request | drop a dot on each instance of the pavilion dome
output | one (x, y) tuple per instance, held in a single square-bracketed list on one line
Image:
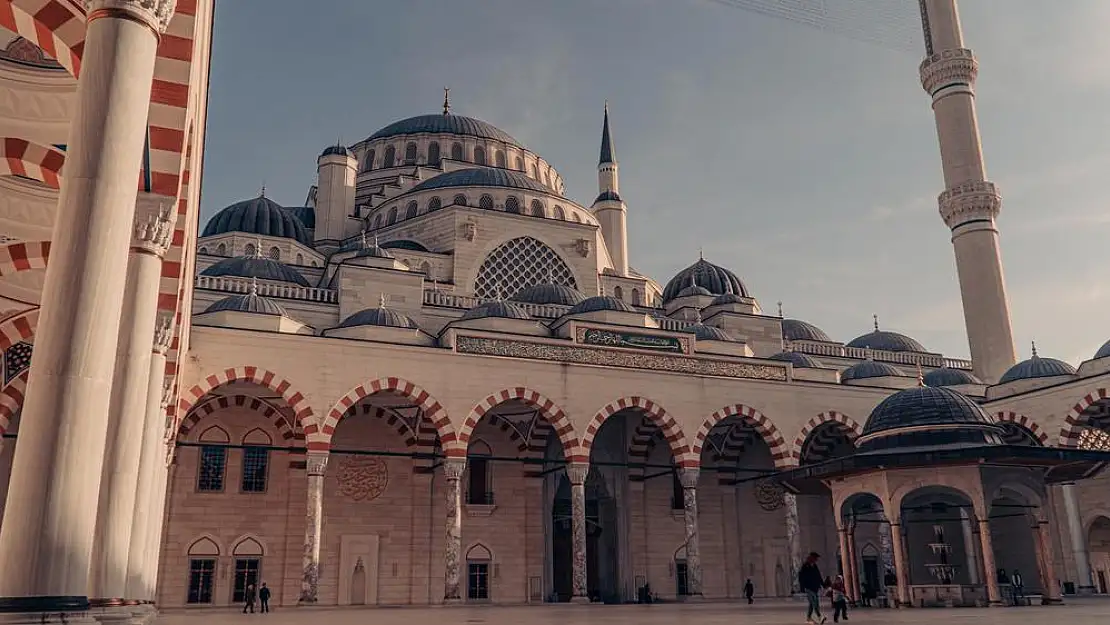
[(1036, 367), (261, 216), (947, 376), (497, 309), (249, 303), (925, 416), (798, 359), (381, 317), (797, 330), (254, 267), (713, 278), (559, 294), (886, 341), (599, 303), (870, 369), (703, 332), (337, 150)]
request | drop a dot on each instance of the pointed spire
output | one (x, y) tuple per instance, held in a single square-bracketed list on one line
[(262, 193), (364, 245), (701, 253), (608, 155), (876, 318), (254, 286), (381, 301), (920, 376), (446, 101), (1035, 349), (780, 309), (258, 248)]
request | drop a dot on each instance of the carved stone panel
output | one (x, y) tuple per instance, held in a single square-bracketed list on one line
[(363, 478)]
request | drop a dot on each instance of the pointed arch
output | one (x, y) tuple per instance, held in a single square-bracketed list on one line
[(11, 400), (1030, 427), (780, 454), (19, 327), (854, 430), (204, 545), (555, 415), (23, 256), (269, 412), (248, 545), (301, 410), (479, 552), (1075, 421), (55, 26), (20, 157), (672, 432), (433, 411)]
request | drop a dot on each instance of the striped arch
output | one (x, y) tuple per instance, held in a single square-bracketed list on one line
[(56, 26), (19, 157), (672, 432), (18, 327), (433, 411), (766, 429), (852, 429), (24, 256), (11, 400), (1030, 426), (302, 411), (644, 437), (215, 404), (1075, 420), (558, 419)]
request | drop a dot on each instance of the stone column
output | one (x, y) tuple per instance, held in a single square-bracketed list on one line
[(126, 415), (994, 595), (886, 552), (46, 550), (793, 538), (577, 472), (845, 557), (1042, 536), (689, 479), (1078, 537), (852, 575), (969, 547), (161, 504), (316, 464), (452, 573), (901, 564)]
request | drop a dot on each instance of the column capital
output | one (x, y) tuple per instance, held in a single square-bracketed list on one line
[(953, 68), (316, 462), (154, 221), (577, 472), (453, 468), (970, 201), (155, 14), (163, 333), (688, 477)]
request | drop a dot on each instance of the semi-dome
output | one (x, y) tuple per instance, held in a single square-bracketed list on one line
[(870, 369), (445, 124), (249, 303), (947, 376), (1036, 367), (717, 280), (797, 330), (337, 150), (261, 216), (703, 332), (886, 341), (253, 267), (798, 359), (497, 308), (380, 317), (598, 303), (948, 418), (481, 177), (559, 294)]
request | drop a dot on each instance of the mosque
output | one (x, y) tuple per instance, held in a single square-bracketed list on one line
[(441, 380)]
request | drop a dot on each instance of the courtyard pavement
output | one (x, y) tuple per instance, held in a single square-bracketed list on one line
[(1076, 612)]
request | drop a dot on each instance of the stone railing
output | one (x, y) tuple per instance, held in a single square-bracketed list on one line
[(232, 284), (671, 325), (818, 348), (466, 302)]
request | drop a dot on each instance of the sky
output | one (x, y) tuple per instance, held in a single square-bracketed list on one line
[(803, 160)]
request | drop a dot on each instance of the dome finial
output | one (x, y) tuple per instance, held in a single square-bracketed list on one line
[(876, 318), (364, 244), (262, 193), (920, 375), (701, 253), (697, 316), (258, 248), (254, 286), (446, 101), (780, 309), (1034, 349), (381, 300)]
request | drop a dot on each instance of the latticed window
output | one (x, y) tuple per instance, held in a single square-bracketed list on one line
[(274, 253), (212, 461), (255, 461), (433, 204), (499, 158), (368, 164), (512, 205), (390, 156), (485, 202), (479, 156), (1094, 439), (391, 218), (433, 153), (410, 212), (518, 264), (457, 151), (537, 209), (410, 154), (459, 200), (201, 573)]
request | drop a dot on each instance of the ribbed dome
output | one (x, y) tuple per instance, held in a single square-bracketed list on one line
[(250, 303), (717, 280), (796, 330), (798, 359), (550, 294), (1103, 351), (445, 124), (870, 369), (946, 376), (306, 215), (481, 177), (497, 308), (886, 341), (259, 215), (707, 333), (1036, 367), (380, 316), (251, 267), (600, 302), (337, 150), (953, 418)]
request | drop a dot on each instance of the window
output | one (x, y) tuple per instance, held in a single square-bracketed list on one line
[(479, 155), (518, 264), (545, 177), (537, 209), (478, 560), (459, 200), (300, 259), (618, 292), (249, 250), (456, 151), (575, 218), (221, 250), (512, 205), (433, 154), (274, 253), (499, 159), (426, 269), (532, 170), (410, 154), (678, 497), (368, 164), (390, 156), (637, 299), (519, 164), (485, 202), (203, 250), (433, 204), (392, 217), (246, 574), (478, 487), (682, 578), (201, 573), (559, 214), (212, 462), (410, 212), (377, 221), (255, 462)]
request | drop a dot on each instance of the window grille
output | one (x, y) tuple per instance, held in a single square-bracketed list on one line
[(212, 461), (201, 573), (518, 264), (255, 462), (246, 574), (433, 154), (477, 574)]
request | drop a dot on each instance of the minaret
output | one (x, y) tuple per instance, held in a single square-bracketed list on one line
[(609, 209), (335, 196), (970, 203)]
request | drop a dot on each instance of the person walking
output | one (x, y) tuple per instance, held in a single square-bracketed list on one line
[(248, 598), (839, 599), (264, 598), (749, 591), (811, 582)]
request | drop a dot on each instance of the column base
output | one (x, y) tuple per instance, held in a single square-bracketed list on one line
[(580, 600), (1085, 590), (45, 609), (452, 600)]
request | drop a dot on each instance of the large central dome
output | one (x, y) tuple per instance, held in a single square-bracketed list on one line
[(445, 124)]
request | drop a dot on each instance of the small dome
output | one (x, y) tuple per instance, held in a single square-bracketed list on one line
[(337, 150), (372, 250), (482, 177), (796, 330), (550, 294), (886, 341), (306, 215), (870, 369), (798, 359), (1036, 367), (497, 308), (727, 298), (946, 376), (380, 316), (250, 303), (953, 418), (1103, 351), (716, 280), (261, 216), (600, 302), (445, 124), (251, 267), (707, 333), (608, 196)]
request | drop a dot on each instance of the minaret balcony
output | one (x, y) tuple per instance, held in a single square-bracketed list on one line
[(970, 201), (956, 66)]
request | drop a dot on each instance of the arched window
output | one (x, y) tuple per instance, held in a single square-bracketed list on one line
[(249, 250), (221, 249), (377, 223), (390, 156), (410, 154), (391, 218), (248, 563), (532, 170), (637, 299), (213, 460), (559, 213), (434, 204), (485, 202), (203, 250), (618, 292), (315, 264), (368, 164), (575, 217), (478, 561), (202, 570), (499, 159), (479, 155), (300, 259), (426, 269), (479, 485), (520, 263), (519, 164), (410, 211), (537, 209), (459, 200), (274, 253), (456, 151), (256, 461), (512, 205), (433, 154), (544, 173)]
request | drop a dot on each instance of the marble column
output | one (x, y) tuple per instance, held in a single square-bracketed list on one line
[(1084, 582), (901, 564), (994, 595), (452, 573), (852, 575), (886, 552), (793, 538), (46, 550), (969, 547), (1042, 536), (161, 505), (316, 464), (689, 479), (577, 472), (845, 557), (126, 414)]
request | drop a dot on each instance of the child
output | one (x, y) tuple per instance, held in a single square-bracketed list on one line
[(839, 599)]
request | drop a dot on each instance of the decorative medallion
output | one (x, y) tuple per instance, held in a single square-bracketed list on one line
[(770, 495), (363, 477), (16, 360)]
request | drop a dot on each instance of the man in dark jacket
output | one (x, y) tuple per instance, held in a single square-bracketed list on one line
[(811, 582), (264, 598), (248, 598)]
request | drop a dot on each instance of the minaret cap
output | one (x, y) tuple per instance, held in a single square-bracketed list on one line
[(608, 154)]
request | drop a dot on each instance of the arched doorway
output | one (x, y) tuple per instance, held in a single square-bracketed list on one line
[(940, 538), (871, 544), (816, 524), (1098, 543)]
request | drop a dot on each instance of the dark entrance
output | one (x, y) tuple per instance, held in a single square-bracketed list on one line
[(871, 573)]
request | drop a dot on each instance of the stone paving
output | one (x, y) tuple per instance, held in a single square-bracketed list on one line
[(1076, 612)]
